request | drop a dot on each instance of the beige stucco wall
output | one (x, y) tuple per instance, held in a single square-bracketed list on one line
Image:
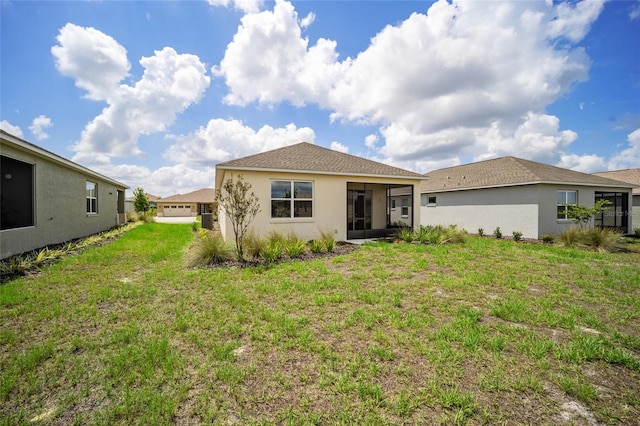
[(329, 203), (530, 209), (60, 206)]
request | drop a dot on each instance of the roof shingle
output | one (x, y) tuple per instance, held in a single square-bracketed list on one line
[(631, 176), (507, 171), (312, 158), (205, 195)]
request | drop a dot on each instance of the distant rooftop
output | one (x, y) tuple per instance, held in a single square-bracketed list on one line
[(205, 195), (508, 171), (627, 175)]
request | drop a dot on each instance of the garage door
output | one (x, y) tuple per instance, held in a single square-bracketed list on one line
[(177, 210)]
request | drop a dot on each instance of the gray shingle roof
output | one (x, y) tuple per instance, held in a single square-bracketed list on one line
[(310, 158), (508, 171), (205, 195), (631, 176)]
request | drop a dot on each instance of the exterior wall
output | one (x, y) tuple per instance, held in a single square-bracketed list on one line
[(530, 209), (510, 208), (329, 203), (635, 213), (395, 214), (188, 209), (60, 206)]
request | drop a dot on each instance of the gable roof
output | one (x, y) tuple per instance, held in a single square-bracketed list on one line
[(509, 171), (310, 158), (204, 195), (150, 197), (631, 176), (23, 145)]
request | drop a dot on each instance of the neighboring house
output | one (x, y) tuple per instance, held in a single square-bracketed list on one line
[(631, 176), (129, 202), (307, 189), (191, 204), (46, 199), (400, 206), (516, 195)]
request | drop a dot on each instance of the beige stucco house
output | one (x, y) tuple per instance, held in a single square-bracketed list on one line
[(190, 204), (129, 203), (631, 176), (307, 189), (46, 199), (518, 195)]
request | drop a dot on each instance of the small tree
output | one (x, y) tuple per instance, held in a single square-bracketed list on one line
[(582, 215), (240, 206), (140, 200)]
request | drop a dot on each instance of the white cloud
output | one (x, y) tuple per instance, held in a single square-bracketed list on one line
[(171, 82), (222, 140), (247, 6), (337, 146), (629, 157), (370, 141), (38, 125), (10, 128), (583, 163), (634, 12), (440, 83)]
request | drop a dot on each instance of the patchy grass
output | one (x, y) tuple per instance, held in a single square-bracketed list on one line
[(390, 333)]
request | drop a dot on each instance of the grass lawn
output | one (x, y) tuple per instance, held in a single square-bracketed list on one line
[(485, 332)]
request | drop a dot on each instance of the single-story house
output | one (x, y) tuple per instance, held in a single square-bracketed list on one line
[(307, 189), (517, 195), (130, 202), (190, 204), (631, 176), (46, 199)]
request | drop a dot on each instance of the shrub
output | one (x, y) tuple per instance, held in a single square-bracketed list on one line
[(636, 232), (547, 238), (316, 246), (294, 246), (272, 251), (194, 226), (481, 232), (405, 234), (569, 237), (517, 235), (441, 234), (329, 241), (253, 244), (601, 239), (497, 233), (209, 248)]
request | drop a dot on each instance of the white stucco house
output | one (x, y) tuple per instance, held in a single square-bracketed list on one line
[(519, 195), (190, 204), (307, 189), (46, 199)]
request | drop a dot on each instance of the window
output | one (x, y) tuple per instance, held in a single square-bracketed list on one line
[(431, 201), (565, 199), (92, 198), (16, 194), (393, 204), (405, 207), (291, 199)]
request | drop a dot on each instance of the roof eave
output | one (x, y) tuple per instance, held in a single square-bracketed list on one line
[(470, 188), (316, 172)]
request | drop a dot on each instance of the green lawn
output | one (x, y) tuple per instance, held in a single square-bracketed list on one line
[(485, 332)]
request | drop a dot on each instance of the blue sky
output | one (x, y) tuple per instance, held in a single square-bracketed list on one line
[(155, 93)]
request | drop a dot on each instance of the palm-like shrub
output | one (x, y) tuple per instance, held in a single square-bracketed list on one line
[(272, 251), (209, 248), (295, 247), (601, 239)]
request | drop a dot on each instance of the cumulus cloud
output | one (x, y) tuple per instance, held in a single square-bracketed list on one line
[(171, 82), (337, 146), (371, 140), (38, 125), (247, 6), (629, 157), (10, 128), (438, 83), (223, 140)]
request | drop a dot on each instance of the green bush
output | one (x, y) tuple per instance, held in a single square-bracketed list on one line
[(636, 232), (329, 241), (497, 233), (294, 247), (209, 248), (481, 232), (405, 234), (253, 244), (272, 251), (600, 239), (316, 246), (517, 235), (547, 238)]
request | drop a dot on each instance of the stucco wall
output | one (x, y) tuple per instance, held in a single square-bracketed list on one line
[(60, 206), (329, 203), (530, 209), (510, 208)]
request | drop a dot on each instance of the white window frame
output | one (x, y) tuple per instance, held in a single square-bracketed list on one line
[(565, 203), (292, 200), (404, 207), (91, 197)]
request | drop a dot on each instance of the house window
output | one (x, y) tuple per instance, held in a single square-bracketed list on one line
[(565, 199), (291, 199), (405, 207), (92, 197), (393, 204), (431, 201), (17, 192)]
